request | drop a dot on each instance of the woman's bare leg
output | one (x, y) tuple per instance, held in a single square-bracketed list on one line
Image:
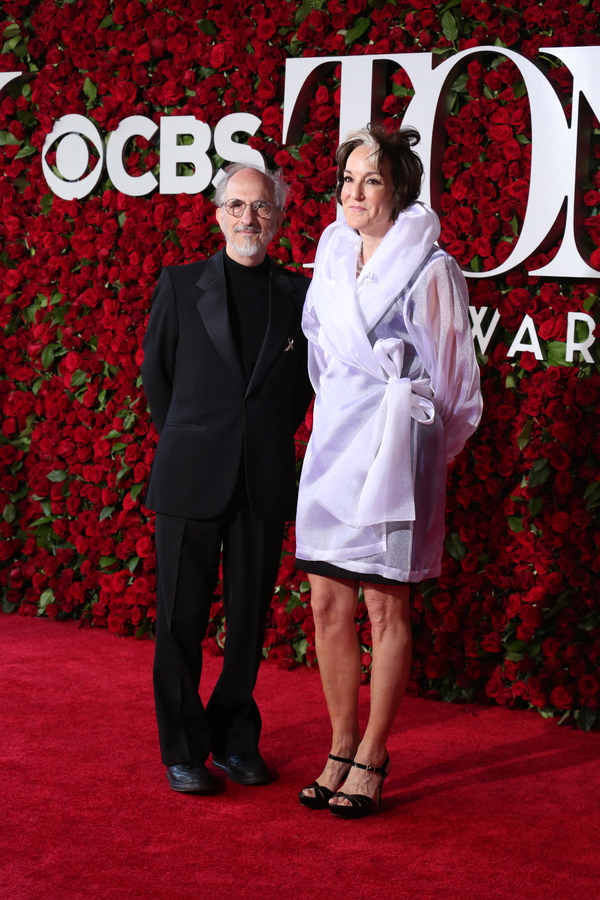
[(389, 611), (334, 603)]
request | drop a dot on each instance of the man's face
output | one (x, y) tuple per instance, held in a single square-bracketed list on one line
[(249, 236)]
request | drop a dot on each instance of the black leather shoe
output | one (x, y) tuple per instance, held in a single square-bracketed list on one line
[(244, 769), (190, 778)]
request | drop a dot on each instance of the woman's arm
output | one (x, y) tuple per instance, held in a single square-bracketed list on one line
[(438, 321)]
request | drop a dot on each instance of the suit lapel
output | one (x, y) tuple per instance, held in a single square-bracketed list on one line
[(281, 313), (212, 306)]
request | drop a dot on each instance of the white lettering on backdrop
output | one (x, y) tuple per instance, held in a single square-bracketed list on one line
[(558, 148), (72, 154), (555, 150)]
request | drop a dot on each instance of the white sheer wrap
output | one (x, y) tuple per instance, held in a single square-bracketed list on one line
[(359, 467)]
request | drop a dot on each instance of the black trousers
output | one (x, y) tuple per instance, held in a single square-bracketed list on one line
[(188, 552)]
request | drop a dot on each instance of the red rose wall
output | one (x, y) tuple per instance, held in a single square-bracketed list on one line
[(515, 617)]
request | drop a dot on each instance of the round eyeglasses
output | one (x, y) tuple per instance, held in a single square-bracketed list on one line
[(262, 208)]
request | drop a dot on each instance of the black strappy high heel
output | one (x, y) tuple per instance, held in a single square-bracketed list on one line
[(322, 794), (360, 804)]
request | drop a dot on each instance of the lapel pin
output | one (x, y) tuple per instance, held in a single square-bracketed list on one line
[(290, 345)]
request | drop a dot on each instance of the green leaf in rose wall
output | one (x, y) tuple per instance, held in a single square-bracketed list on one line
[(48, 355), (582, 331), (306, 8), (89, 89), (586, 718), (46, 598), (557, 353), (145, 629), (78, 378), (455, 547), (525, 435), (459, 85), (207, 26), (10, 513), (562, 602), (44, 520), (301, 647), (592, 495), (27, 150), (449, 26), (57, 475), (6, 138), (294, 601), (361, 25), (539, 472), (452, 4), (535, 505), (46, 203)]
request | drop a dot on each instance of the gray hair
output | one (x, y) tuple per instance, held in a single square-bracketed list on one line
[(280, 187), (362, 136)]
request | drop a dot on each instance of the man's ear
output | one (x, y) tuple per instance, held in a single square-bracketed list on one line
[(219, 217)]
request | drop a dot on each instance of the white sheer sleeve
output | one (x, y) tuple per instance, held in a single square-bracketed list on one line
[(437, 319)]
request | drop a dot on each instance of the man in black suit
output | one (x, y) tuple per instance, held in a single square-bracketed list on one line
[(225, 375)]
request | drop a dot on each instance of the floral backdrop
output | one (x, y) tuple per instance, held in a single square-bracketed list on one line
[(515, 617)]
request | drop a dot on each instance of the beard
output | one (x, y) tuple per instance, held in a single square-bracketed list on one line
[(249, 244)]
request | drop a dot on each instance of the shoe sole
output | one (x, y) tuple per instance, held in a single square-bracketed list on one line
[(317, 804), (184, 789)]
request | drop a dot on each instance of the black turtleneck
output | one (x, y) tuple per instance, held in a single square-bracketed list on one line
[(248, 308)]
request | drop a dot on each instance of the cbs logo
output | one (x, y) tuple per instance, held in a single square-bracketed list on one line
[(185, 165)]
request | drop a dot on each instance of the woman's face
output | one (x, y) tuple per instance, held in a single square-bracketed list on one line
[(368, 193)]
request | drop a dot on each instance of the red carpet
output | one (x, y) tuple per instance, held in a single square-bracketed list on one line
[(481, 804)]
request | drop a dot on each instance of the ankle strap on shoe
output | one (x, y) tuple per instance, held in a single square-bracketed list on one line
[(341, 759), (378, 770)]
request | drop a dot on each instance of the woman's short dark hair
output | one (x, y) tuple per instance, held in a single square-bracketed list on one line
[(396, 147)]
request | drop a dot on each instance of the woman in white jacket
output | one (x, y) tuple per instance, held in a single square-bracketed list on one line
[(392, 362)]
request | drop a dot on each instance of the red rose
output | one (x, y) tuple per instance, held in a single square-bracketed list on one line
[(265, 30), (512, 149), (435, 667), (494, 686), (561, 698), (491, 642), (144, 547), (441, 601), (218, 54), (561, 522), (588, 686)]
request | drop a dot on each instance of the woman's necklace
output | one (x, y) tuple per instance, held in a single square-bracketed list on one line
[(359, 261)]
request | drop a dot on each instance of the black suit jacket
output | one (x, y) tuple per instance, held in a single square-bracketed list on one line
[(208, 416)]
